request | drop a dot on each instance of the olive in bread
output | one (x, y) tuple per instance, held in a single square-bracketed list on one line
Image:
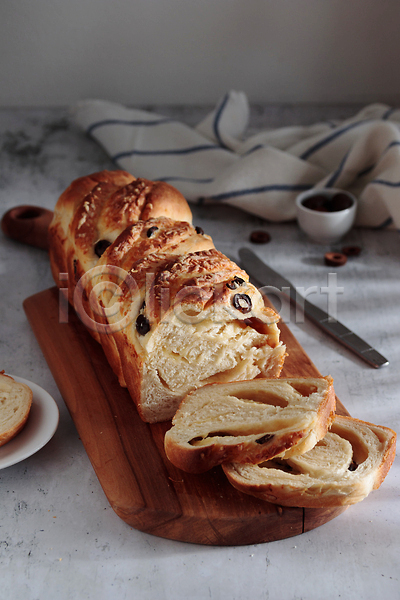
[(352, 460), (249, 421), (15, 406)]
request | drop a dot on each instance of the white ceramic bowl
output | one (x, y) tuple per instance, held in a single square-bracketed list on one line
[(325, 227)]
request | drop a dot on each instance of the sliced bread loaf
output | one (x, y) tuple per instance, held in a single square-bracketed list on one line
[(172, 312)]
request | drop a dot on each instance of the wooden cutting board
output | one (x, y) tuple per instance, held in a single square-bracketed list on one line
[(141, 485)]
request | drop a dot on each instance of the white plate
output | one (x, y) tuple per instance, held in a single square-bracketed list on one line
[(39, 429)]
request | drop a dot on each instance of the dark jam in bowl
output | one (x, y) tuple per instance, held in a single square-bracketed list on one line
[(322, 203)]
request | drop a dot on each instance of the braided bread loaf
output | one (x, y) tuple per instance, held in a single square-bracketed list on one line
[(352, 460), (171, 312)]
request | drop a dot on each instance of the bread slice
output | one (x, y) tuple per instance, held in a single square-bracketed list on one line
[(352, 460), (15, 405), (249, 421)]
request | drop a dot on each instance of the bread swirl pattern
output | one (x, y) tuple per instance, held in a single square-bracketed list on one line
[(171, 312), (352, 460), (249, 421)]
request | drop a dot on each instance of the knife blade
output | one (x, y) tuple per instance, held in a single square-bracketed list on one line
[(267, 277)]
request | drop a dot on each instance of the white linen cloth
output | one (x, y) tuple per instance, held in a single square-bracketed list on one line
[(213, 162)]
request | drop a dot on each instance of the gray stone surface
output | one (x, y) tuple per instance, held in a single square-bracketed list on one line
[(59, 538)]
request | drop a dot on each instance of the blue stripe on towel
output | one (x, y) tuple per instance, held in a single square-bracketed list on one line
[(330, 138), (371, 167), (385, 224), (217, 120), (366, 171), (388, 183), (105, 122), (175, 151), (301, 187), (387, 114), (394, 143), (339, 132), (335, 175), (253, 149)]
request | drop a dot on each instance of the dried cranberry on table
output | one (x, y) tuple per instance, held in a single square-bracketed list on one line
[(335, 259), (260, 237), (351, 250)]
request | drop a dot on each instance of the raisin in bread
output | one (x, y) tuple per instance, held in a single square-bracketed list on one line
[(171, 312), (352, 460), (15, 406), (249, 421)]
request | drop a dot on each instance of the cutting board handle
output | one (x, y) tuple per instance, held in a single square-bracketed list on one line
[(28, 224)]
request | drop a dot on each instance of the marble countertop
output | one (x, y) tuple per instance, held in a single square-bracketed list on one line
[(59, 537)]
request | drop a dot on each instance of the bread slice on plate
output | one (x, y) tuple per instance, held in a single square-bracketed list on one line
[(249, 421), (15, 405), (352, 460)]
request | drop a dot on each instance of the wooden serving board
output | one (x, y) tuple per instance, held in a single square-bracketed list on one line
[(142, 486)]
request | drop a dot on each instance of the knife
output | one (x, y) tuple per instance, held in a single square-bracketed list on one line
[(266, 276)]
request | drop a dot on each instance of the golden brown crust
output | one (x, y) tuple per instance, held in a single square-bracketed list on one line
[(201, 460), (153, 237), (99, 207), (61, 245)]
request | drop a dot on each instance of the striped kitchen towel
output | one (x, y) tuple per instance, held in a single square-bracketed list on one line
[(263, 173)]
